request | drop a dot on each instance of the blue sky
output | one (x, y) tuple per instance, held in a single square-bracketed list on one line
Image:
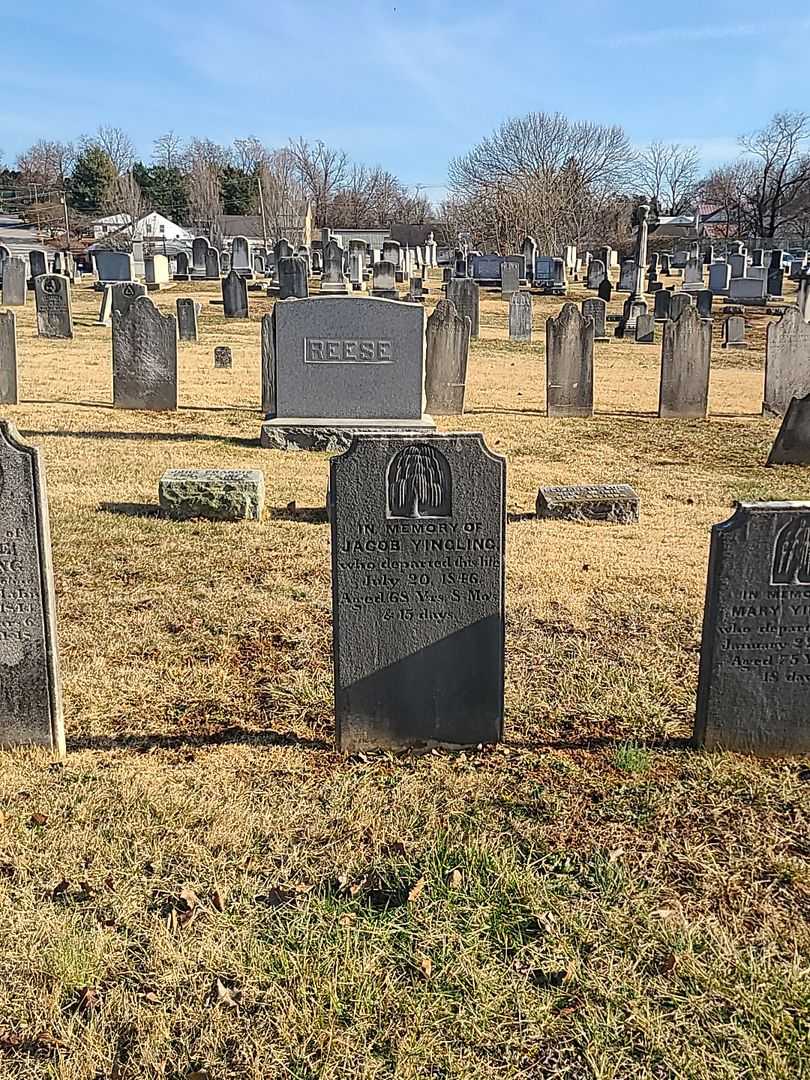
[(405, 84)]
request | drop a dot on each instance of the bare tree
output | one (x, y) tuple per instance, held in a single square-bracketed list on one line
[(540, 173), (668, 173), (168, 150), (284, 198), (782, 157), (126, 198), (322, 172), (115, 143), (47, 162), (250, 155), (202, 163)]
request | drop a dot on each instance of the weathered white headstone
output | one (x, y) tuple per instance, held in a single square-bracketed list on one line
[(8, 358), (685, 364), (465, 294), (787, 361), (144, 348), (448, 344), (14, 282), (520, 317), (569, 363)]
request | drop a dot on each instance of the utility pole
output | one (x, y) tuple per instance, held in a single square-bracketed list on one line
[(67, 222), (261, 207), (36, 213)]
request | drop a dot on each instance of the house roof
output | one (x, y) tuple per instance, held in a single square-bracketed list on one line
[(242, 225)]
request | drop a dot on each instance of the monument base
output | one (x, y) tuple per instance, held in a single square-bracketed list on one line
[(334, 287), (307, 433)]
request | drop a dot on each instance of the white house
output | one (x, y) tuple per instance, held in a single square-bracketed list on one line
[(153, 226)]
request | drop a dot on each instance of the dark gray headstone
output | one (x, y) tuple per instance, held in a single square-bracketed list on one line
[(333, 279), (181, 271), (704, 299), (240, 255), (776, 279), (8, 358), (223, 357), (627, 276), (754, 662), (212, 270), (448, 344), (14, 282), (465, 295), (685, 364), (268, 364), (30, 702), (234, 295), (596, 309), (662, 304), (384, 281), (187, 313), (38, 262), (292, 278), (520, 316), (199, 250), (418, 591), (392, 253), (52, 294), (720, 278), (792, 444), (664, 263), (616, 503), (123, 294), (569, 363), (114, 266), (787, 361), (605, 290), (679, 301), (645, 330), (734, 333), (144, 347)]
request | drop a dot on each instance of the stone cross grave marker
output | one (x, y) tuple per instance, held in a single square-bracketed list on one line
[(234, 295), (31, 703), (52, 295), (569, 363), (787, 361), (754, 661), (14, 282), (144, 348), (418, 529), (520, 316), (8, 358), (188, 311), (448, 344), (466, 295), (685, 364)]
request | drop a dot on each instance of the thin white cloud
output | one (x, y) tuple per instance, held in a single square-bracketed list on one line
[(666, 35)]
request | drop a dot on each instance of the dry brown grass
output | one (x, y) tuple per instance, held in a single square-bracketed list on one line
[(598, 901)]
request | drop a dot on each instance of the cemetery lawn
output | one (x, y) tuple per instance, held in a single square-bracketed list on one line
[(205, 888)]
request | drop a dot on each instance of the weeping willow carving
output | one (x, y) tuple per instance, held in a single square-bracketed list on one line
[(419, 483), (791, 554)]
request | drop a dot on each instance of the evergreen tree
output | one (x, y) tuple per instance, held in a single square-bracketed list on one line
[(238, 191), (93, 177), (163, 189)]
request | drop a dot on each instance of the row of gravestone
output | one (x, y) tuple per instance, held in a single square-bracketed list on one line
[(418, 528)]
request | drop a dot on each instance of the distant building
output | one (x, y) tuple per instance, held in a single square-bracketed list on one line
[(151, 227), (294, 225)]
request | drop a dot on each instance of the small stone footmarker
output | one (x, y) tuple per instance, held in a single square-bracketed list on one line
[(219, 494), (614, 503)]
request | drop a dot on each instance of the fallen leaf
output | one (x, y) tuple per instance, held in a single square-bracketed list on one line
[(349, 919), (88, 999), (151, 997), (218, 899), (425, 965), (38, 819), (417, 890), (667, 964), (224, 995), (454, 879), (109, 884), (189, 898), (60, 889)]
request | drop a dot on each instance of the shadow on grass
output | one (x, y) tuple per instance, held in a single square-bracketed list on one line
[(131, 509), (310, 515), (154, 436), (599, 742), (142, 744)]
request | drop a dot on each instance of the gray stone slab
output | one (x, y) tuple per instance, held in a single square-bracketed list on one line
[(792, 443), (37, 262), (704, 300), (678, 302), (220, 494), (685, 365), (384, 281), (52, 295), (418, 532), (15, 282), (734, 333), (223, 356), (113, 266), (234, 295), (348, 358), (188, 311), (595, 308), (448, 346), (787, 361), (720, 278), (8, 358), (616, 503), (645, 329), (182, 268), (748, 290), (510, 278), (520, 317), (627, 276), (124, 294), (662, 305), (292, 278), (333, 280), (569, 363), (333, 434), (754, 662), (212, 267), (596, 273), (30, 703), (144, 348), (465, 294)]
